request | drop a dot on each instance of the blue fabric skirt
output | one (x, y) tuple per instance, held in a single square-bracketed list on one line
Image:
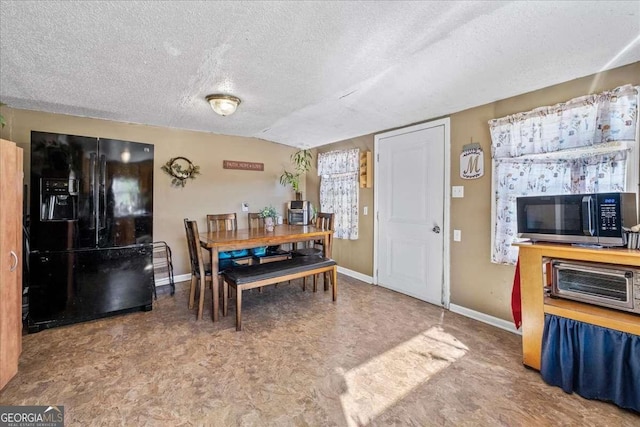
[(595, 362)]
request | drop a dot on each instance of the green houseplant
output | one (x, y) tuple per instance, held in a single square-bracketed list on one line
[(269, 214), (301, 160)]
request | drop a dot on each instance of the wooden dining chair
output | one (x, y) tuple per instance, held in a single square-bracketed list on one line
[(255, 221), (200, 273), (228, 222), (273, 253), (222, 222), (263, 255), (324, 221)]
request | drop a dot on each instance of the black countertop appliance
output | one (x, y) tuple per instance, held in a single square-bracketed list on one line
[(299, 212), (91, 229)]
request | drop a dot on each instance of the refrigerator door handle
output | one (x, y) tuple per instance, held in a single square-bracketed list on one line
[(102, 219), (93, 198)]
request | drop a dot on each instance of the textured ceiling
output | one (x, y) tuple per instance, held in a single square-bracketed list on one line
[(308, 73)]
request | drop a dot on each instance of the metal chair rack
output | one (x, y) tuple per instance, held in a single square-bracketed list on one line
[(162, 265)]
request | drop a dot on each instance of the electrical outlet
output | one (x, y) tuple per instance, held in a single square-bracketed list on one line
[(457, 235), (457, 191)]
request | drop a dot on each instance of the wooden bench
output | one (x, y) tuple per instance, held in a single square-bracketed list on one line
[(255, 276)]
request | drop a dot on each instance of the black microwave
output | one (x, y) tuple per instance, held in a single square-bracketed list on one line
[(594, 219)]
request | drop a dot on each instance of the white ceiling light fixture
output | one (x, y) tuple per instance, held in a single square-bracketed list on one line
[(224, 105)]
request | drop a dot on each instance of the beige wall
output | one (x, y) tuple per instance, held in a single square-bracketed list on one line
[(356, 255), (215, 190), (476, 283)]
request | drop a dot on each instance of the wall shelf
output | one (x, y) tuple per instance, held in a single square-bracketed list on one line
[(599, 316), (366, 176)]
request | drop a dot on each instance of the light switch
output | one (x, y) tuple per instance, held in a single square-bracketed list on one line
[(457, 235), (365, 210), (457, 191)]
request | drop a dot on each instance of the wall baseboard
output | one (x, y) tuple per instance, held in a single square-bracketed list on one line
[(485, 318), (355, 275), (176, 279), (345, 271)]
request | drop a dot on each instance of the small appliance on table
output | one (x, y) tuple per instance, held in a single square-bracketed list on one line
[(299, 212)]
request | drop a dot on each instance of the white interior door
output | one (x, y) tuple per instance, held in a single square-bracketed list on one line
[(411, 225)]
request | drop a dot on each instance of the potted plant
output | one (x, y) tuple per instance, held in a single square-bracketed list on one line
[(301, 160), (269, 214)]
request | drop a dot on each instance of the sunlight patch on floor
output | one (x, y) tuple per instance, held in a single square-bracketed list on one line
[(382, 381)]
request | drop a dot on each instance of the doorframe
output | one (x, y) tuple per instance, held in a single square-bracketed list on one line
[(446, 271)]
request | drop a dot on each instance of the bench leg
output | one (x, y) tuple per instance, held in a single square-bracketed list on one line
[(315, 283), (225, 297), (238, 308), (334, 283), (304, 283), (325, 280)]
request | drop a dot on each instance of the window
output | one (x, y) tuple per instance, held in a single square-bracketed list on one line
[(339, 171), (586, 145)]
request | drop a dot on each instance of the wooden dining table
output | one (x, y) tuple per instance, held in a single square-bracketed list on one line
[(219, 241)]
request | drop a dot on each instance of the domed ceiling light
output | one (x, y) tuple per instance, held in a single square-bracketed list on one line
[(224, 105)]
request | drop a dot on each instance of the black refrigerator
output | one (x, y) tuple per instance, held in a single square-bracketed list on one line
[(90, 229)]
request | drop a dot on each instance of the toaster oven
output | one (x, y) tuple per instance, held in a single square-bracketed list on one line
[(299, 212), (612, 286)]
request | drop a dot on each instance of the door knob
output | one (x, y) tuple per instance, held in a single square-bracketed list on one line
[(436, 229)]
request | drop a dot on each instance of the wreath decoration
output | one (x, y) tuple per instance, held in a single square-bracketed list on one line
[(180, 169)]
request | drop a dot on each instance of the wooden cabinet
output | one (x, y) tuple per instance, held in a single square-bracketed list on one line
[(535, 305), (10, 259)]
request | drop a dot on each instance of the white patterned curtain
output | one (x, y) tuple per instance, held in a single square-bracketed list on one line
[(580, 146), (339, 190)]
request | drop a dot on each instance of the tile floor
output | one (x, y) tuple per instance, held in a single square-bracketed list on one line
[(374, 357)]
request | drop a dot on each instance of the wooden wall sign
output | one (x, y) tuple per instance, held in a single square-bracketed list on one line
[(247, 166)]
